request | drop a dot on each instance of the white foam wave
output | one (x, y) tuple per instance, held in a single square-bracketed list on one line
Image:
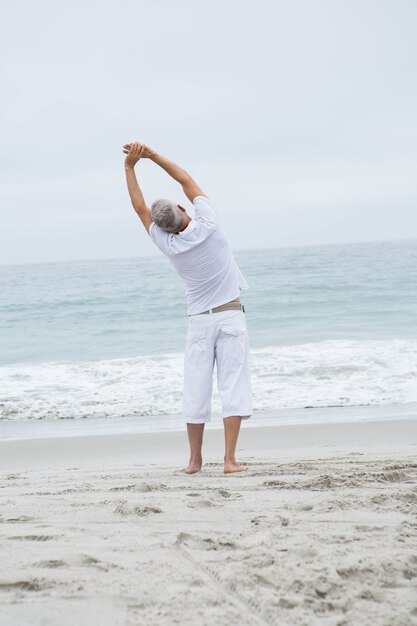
[(342, 373)]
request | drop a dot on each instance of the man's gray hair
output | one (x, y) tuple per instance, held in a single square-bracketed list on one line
[(167, 215)]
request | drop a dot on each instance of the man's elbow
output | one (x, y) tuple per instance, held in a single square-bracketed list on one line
[(186, 179)]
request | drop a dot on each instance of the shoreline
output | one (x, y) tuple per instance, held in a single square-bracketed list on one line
[(171, 448), (154, 424)]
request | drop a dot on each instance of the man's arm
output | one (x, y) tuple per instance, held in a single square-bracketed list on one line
[(136, 196), (190, 187)]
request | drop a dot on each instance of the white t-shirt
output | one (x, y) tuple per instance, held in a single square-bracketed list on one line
[(203, 258)]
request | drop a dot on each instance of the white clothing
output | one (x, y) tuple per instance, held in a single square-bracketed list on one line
[(220, 337), (203, 258)]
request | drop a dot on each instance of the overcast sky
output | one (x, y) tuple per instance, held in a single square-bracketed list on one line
[(298, 119)]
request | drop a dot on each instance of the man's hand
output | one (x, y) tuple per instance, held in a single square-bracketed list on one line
[(134, 153), (146, 151), (190, 187)]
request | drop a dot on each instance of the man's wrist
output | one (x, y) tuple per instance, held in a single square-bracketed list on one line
[(153, 156)]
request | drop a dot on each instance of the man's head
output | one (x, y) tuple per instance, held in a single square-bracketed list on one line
[(168, 215)]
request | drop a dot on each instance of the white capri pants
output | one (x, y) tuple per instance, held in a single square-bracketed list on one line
[(220, 337)]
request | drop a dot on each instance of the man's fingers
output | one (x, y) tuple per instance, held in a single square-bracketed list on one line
[(135, 145), (134, 149)]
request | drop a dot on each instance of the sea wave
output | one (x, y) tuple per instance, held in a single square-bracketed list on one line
[(327, 373)]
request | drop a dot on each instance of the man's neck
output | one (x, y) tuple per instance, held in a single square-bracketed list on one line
[(187, 220)]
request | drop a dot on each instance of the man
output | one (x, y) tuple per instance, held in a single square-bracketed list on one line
[(200, 253)]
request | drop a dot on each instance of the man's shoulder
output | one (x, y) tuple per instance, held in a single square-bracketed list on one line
[(204, 208), (161, 238)]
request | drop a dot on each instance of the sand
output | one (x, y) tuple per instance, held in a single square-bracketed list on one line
[(321, 529)]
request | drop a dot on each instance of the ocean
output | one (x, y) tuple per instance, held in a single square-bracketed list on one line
[(329, 326)]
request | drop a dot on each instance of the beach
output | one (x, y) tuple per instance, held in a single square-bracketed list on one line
[(98, 522), (107, 529), (150, 182)]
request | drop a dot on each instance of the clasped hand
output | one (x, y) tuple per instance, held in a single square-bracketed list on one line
[(136, 151)]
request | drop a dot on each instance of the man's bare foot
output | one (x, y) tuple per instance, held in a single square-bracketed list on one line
[(232, 466), (193, 467)]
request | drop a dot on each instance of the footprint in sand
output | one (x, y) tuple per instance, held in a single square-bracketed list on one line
[(14, 476), (277, 484), (124, 488), (224, 493), (263, 581), (140, 487), (202, 504), (16, 520), (25, 585), (395, 476), (91, 561), (203, 543), (52, 564), (35, 537), (258, 520), (410, 497), (400, 466), (141, 511)]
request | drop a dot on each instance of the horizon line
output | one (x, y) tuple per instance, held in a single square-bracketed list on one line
[(155, 256)]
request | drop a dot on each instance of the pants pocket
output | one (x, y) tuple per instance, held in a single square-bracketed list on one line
[(197, 346), (233, 343)]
